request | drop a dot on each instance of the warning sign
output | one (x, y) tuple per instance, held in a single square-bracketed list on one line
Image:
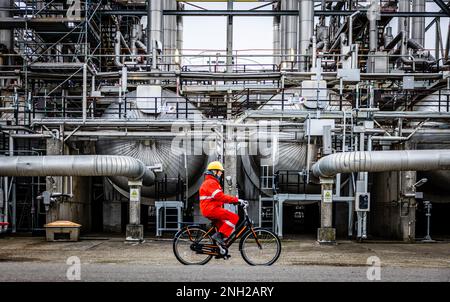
[(327, 196), (134, 195)]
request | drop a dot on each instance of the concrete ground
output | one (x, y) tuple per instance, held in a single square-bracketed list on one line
[(110, 259)]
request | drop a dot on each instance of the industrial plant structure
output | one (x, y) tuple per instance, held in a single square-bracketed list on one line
[(108, 121)]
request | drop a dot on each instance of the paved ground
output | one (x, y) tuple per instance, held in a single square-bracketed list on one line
[(33, 259)]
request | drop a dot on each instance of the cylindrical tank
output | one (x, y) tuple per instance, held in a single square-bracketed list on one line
[(155, 150), (437, 179)]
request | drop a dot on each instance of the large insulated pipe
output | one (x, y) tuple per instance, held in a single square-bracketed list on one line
[(382, 161), (117, 50), (76, 165), (306, 29), (283, 29), (373, 35), (403, 24), (418, 23), (291, 31), (156, 22)]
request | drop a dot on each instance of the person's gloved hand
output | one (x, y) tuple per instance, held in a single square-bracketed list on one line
[(243, 203)]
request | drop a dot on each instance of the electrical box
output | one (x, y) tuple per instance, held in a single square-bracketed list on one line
[(149, 98), (314, 127), (408, 82), (362, 203)]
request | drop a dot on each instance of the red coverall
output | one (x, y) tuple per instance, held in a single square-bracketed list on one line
[(212, 199)]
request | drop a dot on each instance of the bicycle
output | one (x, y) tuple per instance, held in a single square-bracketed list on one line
[(192, 245)]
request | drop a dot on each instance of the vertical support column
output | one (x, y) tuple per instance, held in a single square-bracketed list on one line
[(230, 38), (135, 230), (230, 155), (326, 234), (84, 105)]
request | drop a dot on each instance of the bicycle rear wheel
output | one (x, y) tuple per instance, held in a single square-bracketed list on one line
[(183, 246), (264, 249)]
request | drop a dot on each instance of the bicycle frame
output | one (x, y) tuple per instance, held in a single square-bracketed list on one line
[(213, 249)]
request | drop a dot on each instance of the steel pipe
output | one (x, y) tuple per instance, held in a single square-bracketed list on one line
[(382, 161), (76, 165)]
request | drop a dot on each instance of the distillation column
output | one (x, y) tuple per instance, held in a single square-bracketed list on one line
[(306, 30), (418, 28)]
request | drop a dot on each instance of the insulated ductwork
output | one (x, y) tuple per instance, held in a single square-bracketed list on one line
[(76, 165), (382, 161)]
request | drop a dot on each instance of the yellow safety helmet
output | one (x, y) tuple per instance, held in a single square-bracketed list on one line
[(215, 165)]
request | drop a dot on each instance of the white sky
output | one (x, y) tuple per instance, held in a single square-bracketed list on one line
[(209, 33)]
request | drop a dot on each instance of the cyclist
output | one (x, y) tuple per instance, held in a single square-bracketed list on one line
[(212, 200)]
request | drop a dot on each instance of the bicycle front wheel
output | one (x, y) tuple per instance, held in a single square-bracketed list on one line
[(183, 246), (260, 247)]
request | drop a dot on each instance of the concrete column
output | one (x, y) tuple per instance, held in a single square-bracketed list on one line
[(326, 234), (135, 230)]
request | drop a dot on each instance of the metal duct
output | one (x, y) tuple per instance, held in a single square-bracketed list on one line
[(418, 23), (76, 165), (382, 161), (306, 29)]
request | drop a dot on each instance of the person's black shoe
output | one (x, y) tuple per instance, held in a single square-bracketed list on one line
[(217, 237)]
